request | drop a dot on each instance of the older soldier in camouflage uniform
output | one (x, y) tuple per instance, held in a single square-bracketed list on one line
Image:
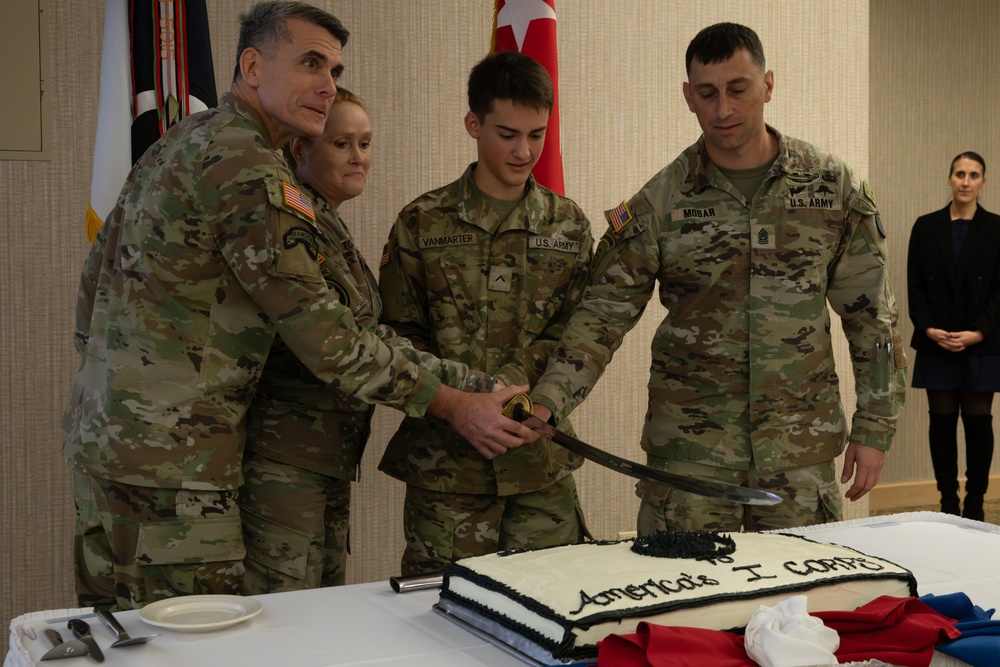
[(211, 253), (486, 271), (750, 234)]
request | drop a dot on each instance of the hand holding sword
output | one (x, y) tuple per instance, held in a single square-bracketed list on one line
[(478, 419)]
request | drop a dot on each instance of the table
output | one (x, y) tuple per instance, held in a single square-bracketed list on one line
[(370, 625)]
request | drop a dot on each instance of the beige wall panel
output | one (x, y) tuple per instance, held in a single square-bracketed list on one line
[(623, 118), (934, 94)]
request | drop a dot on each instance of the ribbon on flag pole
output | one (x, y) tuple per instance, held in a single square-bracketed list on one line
[(156, 68), (529, 26)]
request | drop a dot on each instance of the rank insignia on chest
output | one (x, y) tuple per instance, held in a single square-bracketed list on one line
[(619, 216), (763, 238), (295, 199), (501, 278)]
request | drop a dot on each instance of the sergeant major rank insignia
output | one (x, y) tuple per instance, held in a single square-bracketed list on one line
[(763, 238)]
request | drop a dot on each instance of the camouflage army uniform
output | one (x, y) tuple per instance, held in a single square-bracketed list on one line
[(494, 295), (304, 444), (209, 255), (742, 379)]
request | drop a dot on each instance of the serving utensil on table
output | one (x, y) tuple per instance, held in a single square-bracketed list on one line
[(123, 638), (62, 649), (81, 631), (416, 582)]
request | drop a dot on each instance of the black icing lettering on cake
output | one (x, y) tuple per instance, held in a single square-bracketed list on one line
[(755, 576), (823, 565), (661, 588)]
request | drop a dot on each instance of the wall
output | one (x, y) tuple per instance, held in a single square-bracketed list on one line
[(933, 95), (623, 118)]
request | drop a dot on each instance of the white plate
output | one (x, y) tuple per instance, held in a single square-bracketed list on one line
[(200, 613)]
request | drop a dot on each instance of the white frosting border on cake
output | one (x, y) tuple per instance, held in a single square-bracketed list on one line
[(540, 603)]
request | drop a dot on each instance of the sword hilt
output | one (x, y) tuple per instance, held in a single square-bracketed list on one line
[(517, 408)]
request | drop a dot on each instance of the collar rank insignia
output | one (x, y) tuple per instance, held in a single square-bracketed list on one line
[(295, 199), (620, 216)]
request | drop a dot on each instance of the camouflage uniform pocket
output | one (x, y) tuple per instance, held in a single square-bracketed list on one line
[(547, 299), (652, 494), (831, 503), (189, 541), (275, 546)]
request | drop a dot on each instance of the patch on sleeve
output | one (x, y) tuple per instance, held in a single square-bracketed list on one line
[(867, 190), (385, 256), (300, 202), (620, 216), (301, 236)]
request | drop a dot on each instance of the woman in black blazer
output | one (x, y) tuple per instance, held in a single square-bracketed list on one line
[(953, 283)]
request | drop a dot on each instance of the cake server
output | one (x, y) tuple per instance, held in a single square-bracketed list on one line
[(122, 638), (81, 630), (519, 409), (61, 649)]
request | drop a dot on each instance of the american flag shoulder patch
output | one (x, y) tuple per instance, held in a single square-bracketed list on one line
[(295, 199), (385, 256), (620, 216)]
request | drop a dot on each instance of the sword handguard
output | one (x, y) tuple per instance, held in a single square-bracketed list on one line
[(518, 408)]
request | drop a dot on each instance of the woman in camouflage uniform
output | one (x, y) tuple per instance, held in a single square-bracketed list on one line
[(305, 438)]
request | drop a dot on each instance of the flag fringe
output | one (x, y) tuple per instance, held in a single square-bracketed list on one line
[(493, 31), (94, 224)]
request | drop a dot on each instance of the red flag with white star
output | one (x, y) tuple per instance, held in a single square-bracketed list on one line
[(529, 26)]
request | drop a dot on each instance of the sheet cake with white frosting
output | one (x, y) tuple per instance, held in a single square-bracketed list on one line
[(555, 604)]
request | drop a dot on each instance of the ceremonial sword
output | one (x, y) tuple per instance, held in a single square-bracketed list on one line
[(519, 409)]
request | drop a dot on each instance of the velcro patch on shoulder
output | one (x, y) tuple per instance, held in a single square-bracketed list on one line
[(864, 202), (295, 199), (626, 220), (866, 188), (385, 256), (620, 216)]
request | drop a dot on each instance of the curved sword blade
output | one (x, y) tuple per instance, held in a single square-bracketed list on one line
[(519, 409)]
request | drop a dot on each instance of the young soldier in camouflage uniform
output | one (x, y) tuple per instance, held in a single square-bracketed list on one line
[(486, 271), (750, 234), (210, 254)]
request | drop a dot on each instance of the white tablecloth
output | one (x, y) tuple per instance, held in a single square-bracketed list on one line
[(369, 625)]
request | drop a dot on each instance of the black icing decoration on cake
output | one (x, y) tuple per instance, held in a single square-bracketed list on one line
[(565, 648), (696, 544)]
